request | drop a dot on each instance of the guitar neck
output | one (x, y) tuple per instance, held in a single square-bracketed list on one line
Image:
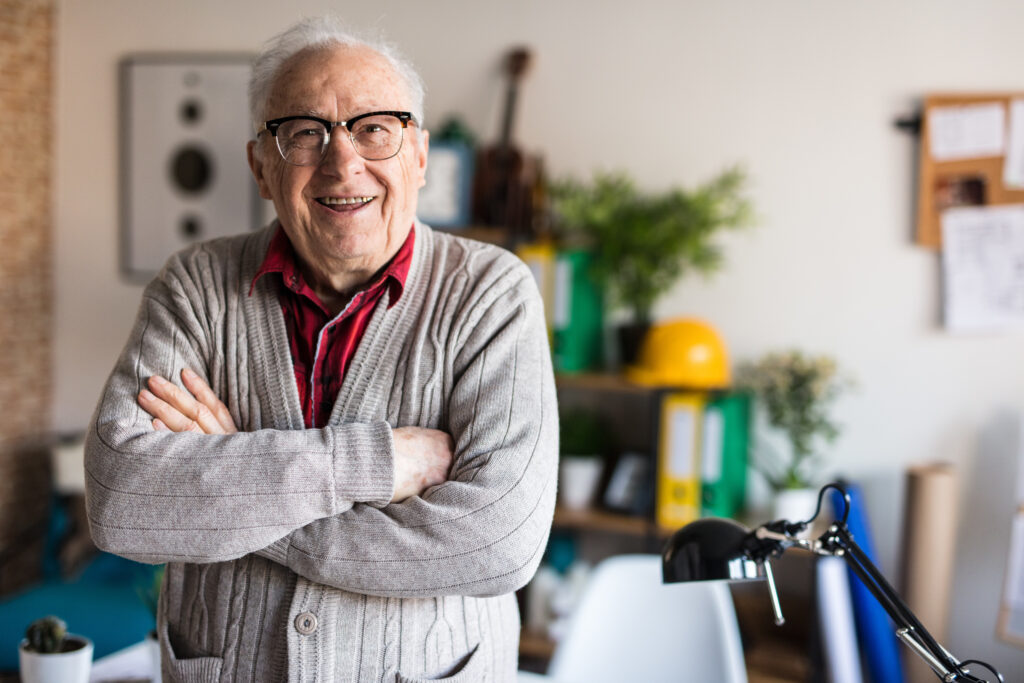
[(516, 65), (511, 95)]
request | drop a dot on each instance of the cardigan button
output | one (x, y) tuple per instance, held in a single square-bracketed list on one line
[(305, 623)]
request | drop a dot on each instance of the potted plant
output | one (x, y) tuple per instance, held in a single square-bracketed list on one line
[(794, 393), (584, 440), (643, 242), (49, 654)]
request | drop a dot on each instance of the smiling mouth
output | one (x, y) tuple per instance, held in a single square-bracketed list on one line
[(344, 202)]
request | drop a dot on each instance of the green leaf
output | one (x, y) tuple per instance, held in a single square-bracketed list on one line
[(796, 391), (644, 242)]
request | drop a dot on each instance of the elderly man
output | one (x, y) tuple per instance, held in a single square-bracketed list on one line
[(358, 467)]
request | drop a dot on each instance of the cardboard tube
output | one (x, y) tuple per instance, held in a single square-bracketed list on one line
[(929, 534)]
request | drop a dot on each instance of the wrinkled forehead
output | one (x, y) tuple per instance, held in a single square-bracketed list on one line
[(337, 81)]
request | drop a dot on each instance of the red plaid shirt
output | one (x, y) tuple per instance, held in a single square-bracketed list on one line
[(321, 346)]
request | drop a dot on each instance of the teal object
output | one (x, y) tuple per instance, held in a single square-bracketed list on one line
[(579, 313), (561, 552), (102, 601), (102, 604), (725, 448)]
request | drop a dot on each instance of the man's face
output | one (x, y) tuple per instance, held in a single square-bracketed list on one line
[(331, 238)]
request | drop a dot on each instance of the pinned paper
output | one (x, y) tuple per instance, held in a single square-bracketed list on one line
[(1013, 168), (983, 268), (967, 132)]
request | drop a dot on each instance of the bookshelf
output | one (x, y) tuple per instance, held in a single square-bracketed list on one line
[(481, 233), (608, 522), (535, 645), (599, 381), (774, 654), (630, 411)]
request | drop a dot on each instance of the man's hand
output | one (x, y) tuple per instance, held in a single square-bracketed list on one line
[(181, 411), (423, 457)]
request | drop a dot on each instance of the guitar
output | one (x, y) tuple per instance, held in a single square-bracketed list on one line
[(507, 181)]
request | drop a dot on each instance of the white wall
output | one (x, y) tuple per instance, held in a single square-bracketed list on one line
[(802, 93)]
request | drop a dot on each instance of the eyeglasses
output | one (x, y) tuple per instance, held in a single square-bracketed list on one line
[(303, 140)]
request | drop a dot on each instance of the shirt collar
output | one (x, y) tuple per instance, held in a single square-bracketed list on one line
[(281, 258)]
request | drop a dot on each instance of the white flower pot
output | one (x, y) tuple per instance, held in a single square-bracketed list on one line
[(57, 667), (577, 480), (795, 505)]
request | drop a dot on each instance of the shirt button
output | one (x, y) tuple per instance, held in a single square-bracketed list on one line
[(305, 623)]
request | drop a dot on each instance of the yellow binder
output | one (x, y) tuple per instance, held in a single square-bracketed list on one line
[(540, 258), (679, 473)]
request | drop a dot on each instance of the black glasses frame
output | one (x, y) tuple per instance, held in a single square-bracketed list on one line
[(404, 117)]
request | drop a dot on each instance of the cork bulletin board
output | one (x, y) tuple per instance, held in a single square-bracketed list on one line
[(963, 157)]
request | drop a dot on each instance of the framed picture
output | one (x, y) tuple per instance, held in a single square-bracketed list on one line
[(446, 199), (630, 489), (184, 177)]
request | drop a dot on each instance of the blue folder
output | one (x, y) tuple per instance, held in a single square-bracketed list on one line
[(875, 630)]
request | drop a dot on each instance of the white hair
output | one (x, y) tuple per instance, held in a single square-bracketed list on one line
[(322, 32)]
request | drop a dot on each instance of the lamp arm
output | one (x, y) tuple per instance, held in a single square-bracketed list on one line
[(838, 541)]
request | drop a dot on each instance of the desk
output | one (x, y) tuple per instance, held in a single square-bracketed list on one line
[(134, 664)]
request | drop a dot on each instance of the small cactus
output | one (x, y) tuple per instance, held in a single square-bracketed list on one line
[(46, 635)]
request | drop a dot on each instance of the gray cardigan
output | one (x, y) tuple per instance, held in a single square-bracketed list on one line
[(285, 560)]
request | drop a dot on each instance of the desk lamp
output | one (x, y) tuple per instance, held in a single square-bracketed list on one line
[(722, 549)]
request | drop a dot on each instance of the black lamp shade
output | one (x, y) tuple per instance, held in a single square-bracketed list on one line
[(709, 549)]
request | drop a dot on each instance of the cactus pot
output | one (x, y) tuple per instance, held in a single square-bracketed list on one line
[(70, 666)]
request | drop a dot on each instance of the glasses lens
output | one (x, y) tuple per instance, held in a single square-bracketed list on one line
[(377, 137), (302, 141)]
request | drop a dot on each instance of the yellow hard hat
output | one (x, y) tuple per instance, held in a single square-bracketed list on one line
[(682, 353)]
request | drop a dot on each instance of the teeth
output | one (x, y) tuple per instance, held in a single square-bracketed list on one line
[(344, 200)]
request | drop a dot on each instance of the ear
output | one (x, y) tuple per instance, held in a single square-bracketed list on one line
[(423, 147), (255, 158)]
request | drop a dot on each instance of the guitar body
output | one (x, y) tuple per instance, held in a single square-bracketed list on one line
[(507, 181)]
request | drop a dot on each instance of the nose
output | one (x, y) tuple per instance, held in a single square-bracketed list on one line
[(340, 157)]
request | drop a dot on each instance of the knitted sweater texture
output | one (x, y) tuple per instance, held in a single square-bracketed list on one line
[(285, 559)]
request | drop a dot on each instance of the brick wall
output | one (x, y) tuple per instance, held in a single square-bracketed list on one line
[(26, 296)]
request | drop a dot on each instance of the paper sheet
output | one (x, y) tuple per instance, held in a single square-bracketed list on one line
[(967, 132), (983, 268), (1013, 167), (134, 663), (711, 451), (682, 443), (835, 612), (1011, 610)]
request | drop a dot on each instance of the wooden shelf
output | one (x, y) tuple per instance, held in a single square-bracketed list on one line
[(481, 233), (599, 381), (532, 644), (610, 522)]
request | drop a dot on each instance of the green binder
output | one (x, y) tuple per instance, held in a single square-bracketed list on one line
[(578, 315), (725, 438)]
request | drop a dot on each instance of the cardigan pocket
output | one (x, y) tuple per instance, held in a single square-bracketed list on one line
[(188, 669), (472, 669)]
